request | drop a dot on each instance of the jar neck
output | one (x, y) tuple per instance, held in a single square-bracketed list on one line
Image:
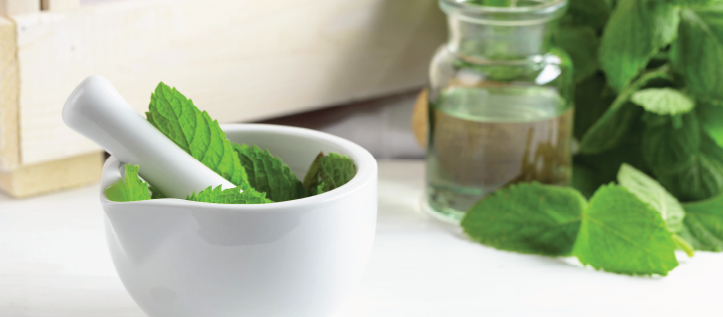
[(479, 41)]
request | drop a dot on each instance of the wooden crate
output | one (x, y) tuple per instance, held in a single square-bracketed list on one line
[(240, 60)]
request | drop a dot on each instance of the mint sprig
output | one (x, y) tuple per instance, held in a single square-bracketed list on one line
[(257, 172), (627, 228), (655, 102)]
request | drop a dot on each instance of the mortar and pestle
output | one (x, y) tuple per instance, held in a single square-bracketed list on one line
[(181, 258)]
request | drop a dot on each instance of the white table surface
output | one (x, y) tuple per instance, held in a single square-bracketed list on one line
[(54, 262)]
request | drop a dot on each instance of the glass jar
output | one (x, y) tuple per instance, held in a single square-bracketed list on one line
[(500, 103)]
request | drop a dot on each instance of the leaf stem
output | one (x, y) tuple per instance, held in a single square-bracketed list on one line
[(684, 245)]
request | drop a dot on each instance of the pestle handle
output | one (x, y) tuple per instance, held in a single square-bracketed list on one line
[(96, 110)]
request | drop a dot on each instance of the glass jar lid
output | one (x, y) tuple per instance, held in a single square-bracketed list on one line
[(504, 12)]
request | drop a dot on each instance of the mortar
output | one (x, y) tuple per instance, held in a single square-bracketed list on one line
[(295, 258)]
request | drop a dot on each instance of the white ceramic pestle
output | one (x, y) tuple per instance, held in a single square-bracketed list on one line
[(96, 110)]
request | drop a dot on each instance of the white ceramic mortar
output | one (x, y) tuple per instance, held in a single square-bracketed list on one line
[(296, 258)]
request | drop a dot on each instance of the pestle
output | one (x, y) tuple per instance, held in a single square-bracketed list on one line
[(96, 110)]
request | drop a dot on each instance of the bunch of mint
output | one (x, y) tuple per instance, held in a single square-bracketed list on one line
[(261, 177), (649, 115)]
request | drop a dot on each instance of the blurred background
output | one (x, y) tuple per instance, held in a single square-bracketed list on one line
[(350, 68)]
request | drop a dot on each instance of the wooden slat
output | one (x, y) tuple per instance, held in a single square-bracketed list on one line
[(47, 177), (15, 7), (9, 85), (240, 60)]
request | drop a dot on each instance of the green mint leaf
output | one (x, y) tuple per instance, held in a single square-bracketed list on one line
[(581, 43), (663, 101), (614, 125), (195, 132), (699, 178), (651, 192), (687, 162), (318, 189), (268, 174), (622, 234), (311, 180), (711, 120), (594, 13), (230, 196), (603, 168), (592, 99), (130, 188), (693, 3), (704, 224), (637, 29), (328, 172), (527, 218), (667, 143), (697, 54), (335, 170), (149, 117), (585, 179)]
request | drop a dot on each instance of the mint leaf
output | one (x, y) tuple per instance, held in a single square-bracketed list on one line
[(637, 29), (195, 132), (318, 189), (329, 172), (603, 167), (585, 179), (336, 170), (230, 196), (581, 43), (130, 188), (592, 99), (663, 101), (527, 218), (615, 124), (594, 13), (669, 143), (622, 234), (704, 224), (699, 178), (651, 192), (711, 120), (697, 54), (693, 3), (311, 180), (268, 174)]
